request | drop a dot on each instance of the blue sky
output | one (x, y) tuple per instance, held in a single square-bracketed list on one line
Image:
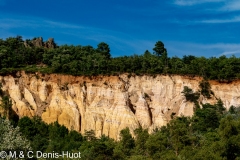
[(186, 27)]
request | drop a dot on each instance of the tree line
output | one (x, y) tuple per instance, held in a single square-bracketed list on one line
[(212, 133), (87, 60)]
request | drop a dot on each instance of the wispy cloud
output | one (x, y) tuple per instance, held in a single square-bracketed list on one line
[(225, 5), (23, 22), (198, 49), (230, 20), (14, 23), (231, 5), (121, 43), (221, 11), (194, 2), (62, 25), (230, 53)]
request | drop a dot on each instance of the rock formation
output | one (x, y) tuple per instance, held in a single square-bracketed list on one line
[(50, 43), (38, 42), (108, 104)]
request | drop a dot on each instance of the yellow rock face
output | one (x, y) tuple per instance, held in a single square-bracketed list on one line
[(108, 104)]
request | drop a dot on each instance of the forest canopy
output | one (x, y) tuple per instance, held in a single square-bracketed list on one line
[(36, 55)]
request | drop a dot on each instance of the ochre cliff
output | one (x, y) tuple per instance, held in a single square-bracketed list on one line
[(108, 104)]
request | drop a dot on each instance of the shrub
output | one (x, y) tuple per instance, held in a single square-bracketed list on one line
[(205, 88), (190, 95)]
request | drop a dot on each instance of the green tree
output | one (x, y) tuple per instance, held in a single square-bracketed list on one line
[(125, 146), (1, 91), (159, 48), (140, 141), (206, 118), (160, 51), (27, 127), (158, 142), (232, 109), (205, 88), (190, 95), (90, 135), (57, 133), (219, 107), (73, 141), (229, 131), (104, 49), (179, 130), (6, 105), (11, 138)]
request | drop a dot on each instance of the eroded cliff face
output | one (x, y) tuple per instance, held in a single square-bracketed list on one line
[(108, 104)]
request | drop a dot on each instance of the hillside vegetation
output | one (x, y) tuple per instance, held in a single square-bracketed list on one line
[(36, 55), (212, 133)]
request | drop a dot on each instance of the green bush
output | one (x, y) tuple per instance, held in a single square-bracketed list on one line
[(190, 95), (205, 88)]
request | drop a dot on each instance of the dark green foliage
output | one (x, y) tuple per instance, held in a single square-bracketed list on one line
[(159, 48), (127, 140), (233, 147), (190, 95), (205, 88), (86, 60), (125, 146), (219, 107), (206, 118), (188, 59), (158, 143), (229, 130), (101, 148), (57, 135), (178, 133), (57, 131), (36, 131), (1, 91), (27, 127), (232, 110), (90, 135), (48, 138), (140, 141), (74, 141), (6, 105), (104, 49), (212, 133)]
